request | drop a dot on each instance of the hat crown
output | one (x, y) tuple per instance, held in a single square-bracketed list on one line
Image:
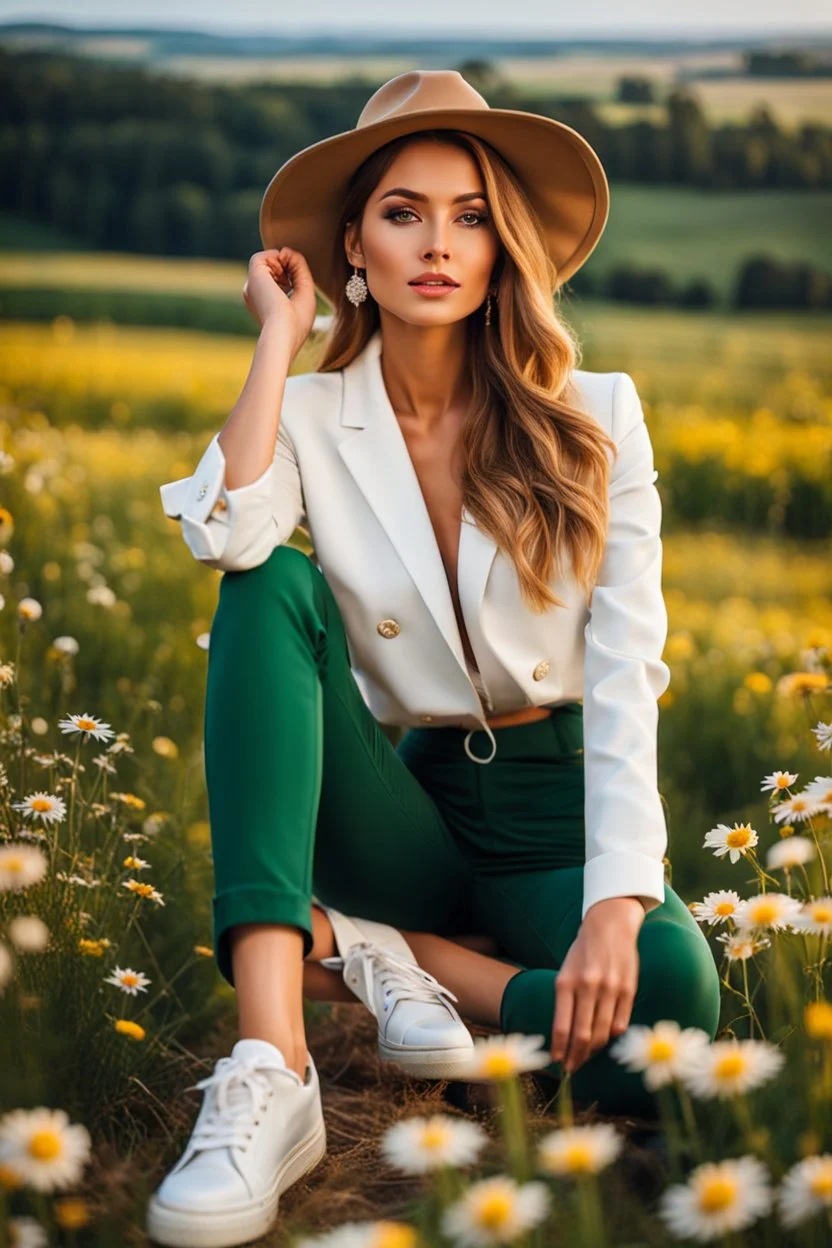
[(417, 90)]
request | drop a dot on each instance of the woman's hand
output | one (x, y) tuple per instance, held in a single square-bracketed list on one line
[(272, 275), (596, 985)]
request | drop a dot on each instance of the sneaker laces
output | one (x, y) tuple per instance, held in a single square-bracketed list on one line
[(240, 1091), (413, 981)]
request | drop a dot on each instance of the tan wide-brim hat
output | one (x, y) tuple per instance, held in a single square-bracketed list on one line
[(561, 173)]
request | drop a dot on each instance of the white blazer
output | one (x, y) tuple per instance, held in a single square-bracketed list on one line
[(342, 469)]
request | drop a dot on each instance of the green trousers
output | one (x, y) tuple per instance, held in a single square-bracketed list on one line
[(308, 796)]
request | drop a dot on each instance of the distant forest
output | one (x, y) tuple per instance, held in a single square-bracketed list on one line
[(124, 158)]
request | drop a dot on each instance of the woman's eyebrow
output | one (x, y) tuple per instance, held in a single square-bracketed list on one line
[(403, 190)]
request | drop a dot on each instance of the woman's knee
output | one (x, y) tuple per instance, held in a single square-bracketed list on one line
[(678, 977), (287, 570)]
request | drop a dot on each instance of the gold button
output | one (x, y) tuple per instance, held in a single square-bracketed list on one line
[(388, 628), (542, 669), (426, 719)]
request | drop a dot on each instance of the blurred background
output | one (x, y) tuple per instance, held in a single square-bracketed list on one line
[(135, 144)]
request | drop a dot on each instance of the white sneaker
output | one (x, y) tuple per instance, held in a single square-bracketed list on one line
[(259, 1129), (418, 1027)]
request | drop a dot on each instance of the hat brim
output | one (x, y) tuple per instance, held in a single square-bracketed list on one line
[(560, 171)]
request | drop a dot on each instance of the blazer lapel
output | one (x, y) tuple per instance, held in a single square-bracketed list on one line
[(380, 462)]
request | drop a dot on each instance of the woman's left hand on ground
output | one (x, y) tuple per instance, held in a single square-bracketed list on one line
[(596, 985)]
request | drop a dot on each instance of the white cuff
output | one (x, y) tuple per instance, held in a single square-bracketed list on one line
[(623, 873)]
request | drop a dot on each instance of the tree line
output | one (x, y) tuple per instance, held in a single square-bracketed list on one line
[(125, 158)]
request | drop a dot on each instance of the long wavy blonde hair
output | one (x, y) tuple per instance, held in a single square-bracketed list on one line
[(535, 474)]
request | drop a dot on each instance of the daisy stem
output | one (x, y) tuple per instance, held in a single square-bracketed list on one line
[(689, 1116), (821, 858), (590, 1211), (674, 1142), (566, 1112), (71, 826), (514, 1126), (747, 998)]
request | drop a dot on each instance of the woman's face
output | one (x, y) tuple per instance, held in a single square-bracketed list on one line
[(428, 214)]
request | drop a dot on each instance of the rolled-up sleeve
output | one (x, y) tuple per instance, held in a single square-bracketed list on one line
[(236, 529), (624, 675)]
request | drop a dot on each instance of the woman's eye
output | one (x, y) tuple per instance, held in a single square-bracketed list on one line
[(479, 217)]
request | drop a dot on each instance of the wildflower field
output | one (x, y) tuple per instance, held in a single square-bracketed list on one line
[(110, 1005)]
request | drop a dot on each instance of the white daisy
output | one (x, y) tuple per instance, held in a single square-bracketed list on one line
[(29, 609), (820, 792), (87, 725), (815, 916), (103, 763), (44, 1148), (20, 865), (41, 805), (806, 1189), (132, 982), (6, 965), (7, 675), (29, 933), (823, 732), (66, 644), (495, 1211), (365, 1235), (798, 807), (27, 1233), (734, 841), (417, 1145), (771, 911), (203, 641), (579, 1150), (137, 864), (717, 907), (6, 560), (101, 596), (739, 946), (719, 1197), (792, 851), (662, 1052), (731, 1067), (779, 780), (501, 1057)]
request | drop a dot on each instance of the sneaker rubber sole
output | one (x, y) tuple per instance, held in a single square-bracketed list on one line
[(428, 1063)]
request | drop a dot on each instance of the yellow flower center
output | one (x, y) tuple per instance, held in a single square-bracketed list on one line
[(499, 1065), (717, 1194), (764, 912), (738, 837), (783, 782), (394, 1235), (821, 1184), (724, 907), (579, 1158), (730, 1066), (818, 1018), (40, 803), (13, 864), (495, 1209), (820, 913), (130, 979), (434, 1137), (661, 1050), (45, 1145), (85, 724)]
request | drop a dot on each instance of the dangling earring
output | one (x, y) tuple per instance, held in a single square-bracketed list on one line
[(488, 309), (356, 288)]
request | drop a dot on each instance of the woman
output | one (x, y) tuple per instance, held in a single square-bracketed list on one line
[(486, 526)]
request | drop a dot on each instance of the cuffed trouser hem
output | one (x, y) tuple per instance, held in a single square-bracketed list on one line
[(257, 905)]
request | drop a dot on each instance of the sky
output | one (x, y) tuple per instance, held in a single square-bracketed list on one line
[(596, 18)]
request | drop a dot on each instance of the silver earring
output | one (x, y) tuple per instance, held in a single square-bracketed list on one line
[(356, 288)]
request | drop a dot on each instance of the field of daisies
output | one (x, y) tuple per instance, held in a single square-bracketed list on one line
[(111, 1009)]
